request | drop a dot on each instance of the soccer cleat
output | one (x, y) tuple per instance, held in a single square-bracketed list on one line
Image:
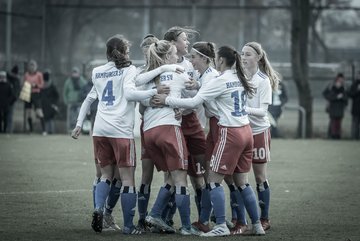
[(109, 223), (265, 223), (158, 222), (201, 227), (218, 230), (143, 226), (132, 231), (255, 229), (238, 229), (190, 231), (97, 221)]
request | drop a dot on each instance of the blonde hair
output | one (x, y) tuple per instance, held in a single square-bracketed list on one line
[(264, 64), (157, 54)]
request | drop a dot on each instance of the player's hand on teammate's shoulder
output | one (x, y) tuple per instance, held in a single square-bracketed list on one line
[(173, 68), (76, 132)]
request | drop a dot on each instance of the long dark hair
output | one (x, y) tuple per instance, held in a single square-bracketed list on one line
[(116, 48), (231, 57)]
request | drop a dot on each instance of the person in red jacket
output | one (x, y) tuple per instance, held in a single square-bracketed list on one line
[(35, 79)]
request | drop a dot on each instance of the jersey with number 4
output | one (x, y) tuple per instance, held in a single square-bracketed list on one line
[(115, 115), (229, 95)]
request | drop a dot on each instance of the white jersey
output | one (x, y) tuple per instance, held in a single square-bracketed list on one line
[(154, 116), (115, 89), (207, 78), (229, 96), (262, 95)]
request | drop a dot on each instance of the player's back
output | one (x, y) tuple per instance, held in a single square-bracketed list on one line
[(115, 115), (231, 101), (165, 116)]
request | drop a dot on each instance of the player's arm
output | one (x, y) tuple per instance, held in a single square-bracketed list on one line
[(85, 107), (146, 77)]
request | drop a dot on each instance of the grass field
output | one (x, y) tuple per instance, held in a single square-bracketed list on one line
[(45, 191)]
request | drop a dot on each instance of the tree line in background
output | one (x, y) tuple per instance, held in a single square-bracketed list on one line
[(61, 34)]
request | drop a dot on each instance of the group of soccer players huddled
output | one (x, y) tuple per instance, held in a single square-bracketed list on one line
[(179, 93)]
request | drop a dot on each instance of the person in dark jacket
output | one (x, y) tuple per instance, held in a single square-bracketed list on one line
[(6, 96), (279, 99), (354, 94), (336, 96), (49, 98), (14, 80)]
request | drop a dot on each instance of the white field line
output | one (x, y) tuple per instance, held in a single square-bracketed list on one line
[(45, 192)]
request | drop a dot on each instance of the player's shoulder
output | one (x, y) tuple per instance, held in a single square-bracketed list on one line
[(259, 74)]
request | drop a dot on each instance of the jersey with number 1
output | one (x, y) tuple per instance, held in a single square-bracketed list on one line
[(229, 95), (115, 115)]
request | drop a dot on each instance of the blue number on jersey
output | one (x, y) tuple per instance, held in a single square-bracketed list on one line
[(239, 110), (107, 94)]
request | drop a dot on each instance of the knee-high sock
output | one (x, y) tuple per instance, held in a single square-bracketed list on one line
[(143, 200), (206, 206), (128, 205), (182, 200), (114, 195), (250, 203), (240, 209), (161, 201), (168, 211), (198, 200), (101, 192), (263, 191), (217, 196), (96, 181)]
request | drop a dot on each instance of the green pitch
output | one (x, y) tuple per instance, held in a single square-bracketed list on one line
[(45, 191)]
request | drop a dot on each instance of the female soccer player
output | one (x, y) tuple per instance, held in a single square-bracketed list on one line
[(264, 79), (165, 142), (232, 153), (113, 129), (190, 124), (203, 58)]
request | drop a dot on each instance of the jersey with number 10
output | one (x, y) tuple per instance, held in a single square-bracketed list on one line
[(115, 115)]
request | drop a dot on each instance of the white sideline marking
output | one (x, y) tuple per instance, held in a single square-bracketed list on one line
[(44, 192)]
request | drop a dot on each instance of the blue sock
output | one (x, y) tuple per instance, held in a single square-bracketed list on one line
[(182, 200), (206, 206), (233, 201), (96, 181), (169, 206), (143, 200), (217, 196), (249, 198), (128, 205), (161, 201), (198, 200), (101, 192), (263, 191), (240, 209), (114, 195)]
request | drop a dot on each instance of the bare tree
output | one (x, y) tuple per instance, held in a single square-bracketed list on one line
[(300, 12)]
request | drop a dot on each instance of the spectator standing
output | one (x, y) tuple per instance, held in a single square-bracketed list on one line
[(279, 99), (14, 80), (336, 96), (49, 98), (36, 81), (6, 95), (90, 117), (72, 96), (354, 94)]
